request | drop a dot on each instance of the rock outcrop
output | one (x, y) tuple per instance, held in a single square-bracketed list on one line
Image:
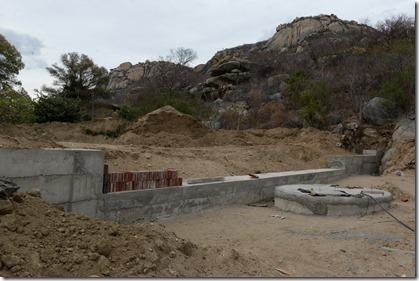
[(127, 74), (402, 147), (223, 77), (143, 75), (295, 33)]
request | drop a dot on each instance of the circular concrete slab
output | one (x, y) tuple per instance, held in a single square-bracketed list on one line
[(321, 199)]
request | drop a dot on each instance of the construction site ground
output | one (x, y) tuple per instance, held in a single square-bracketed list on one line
[(41, 240)]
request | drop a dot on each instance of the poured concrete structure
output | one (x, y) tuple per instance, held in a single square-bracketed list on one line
[(73, 178), (320, 199), (151, 204)]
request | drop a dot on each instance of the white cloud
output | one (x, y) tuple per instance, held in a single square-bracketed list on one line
[(28, 46)]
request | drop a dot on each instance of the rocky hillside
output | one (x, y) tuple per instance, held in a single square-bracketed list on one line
[(317, 71), (234, 66), (128, 80)]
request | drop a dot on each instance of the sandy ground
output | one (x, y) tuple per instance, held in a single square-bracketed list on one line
[(289, 244), (41, 240)]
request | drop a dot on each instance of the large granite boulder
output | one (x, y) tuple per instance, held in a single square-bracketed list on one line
[(405, 130), (403, 146), (380, 111)]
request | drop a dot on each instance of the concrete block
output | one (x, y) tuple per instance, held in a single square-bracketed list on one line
[(34, 162), (64, 176)]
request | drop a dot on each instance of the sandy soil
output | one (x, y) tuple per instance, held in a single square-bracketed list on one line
[(289, 244), (41, 240)]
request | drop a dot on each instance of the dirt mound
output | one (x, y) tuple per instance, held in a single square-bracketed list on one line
[(169, 120), (25, 136), (165, 127), (41, 240)]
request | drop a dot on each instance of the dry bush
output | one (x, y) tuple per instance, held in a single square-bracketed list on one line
[(271, 115), (229, 119)]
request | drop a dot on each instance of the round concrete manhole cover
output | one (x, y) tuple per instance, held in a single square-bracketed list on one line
[(321, 199)]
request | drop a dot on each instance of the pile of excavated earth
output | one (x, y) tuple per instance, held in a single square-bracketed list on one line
[(42, 240)]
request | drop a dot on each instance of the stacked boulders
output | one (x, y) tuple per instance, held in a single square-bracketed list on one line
[(223, 77)]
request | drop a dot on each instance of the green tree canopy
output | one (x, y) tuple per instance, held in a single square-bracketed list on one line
[(78, 77), (10, 64), (15, 106)]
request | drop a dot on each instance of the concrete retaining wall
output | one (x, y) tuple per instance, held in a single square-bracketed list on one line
[(133, 206), (366, 164), (74, 179)]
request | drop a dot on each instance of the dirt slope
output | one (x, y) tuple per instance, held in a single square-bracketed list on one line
[(166, 138)]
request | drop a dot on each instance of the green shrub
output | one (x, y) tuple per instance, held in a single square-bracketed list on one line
[(400, 88), (311, 98), (57, 108), (129, 113), (314, 102), (296, 83)]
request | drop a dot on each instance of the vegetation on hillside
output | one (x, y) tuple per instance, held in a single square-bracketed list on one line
[(333, 80)]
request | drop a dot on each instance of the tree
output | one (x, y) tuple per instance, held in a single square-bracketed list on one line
[(15, 106), (396, 57), (182, 56), (78, 78), (400, 27), (10, 64), (173, 73), (313, 104)]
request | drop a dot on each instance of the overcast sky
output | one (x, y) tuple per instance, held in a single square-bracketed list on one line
[(115, 31)]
